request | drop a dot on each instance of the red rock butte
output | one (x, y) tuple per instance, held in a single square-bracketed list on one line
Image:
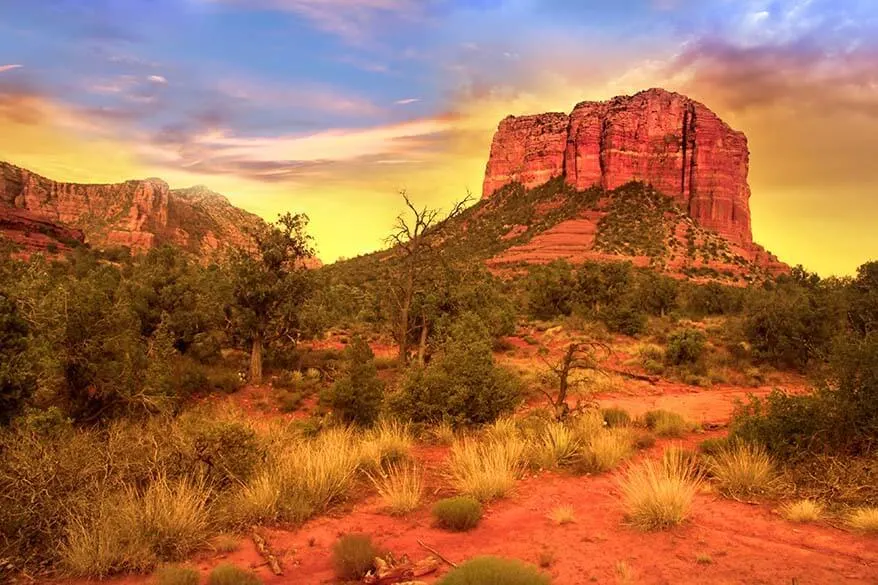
[(665, 139)]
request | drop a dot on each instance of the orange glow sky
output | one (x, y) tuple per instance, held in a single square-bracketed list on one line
[(366, 97)]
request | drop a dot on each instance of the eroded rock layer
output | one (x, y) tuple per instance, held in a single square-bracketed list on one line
[(666, 139)]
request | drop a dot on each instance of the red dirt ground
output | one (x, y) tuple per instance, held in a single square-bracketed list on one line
[(736, 543)]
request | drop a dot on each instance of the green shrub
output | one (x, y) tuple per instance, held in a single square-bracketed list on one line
[(496, 571), (229, 574), (625, 318), (353, 555), (176, 576), (462, 385), (17, 380), (459, 514), (616, 417), (713, 446), (227, 449), (289, 401), (358, 395), (685, 347)]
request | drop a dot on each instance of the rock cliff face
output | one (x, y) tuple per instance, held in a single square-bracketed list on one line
[(138, 214), (662, 138)]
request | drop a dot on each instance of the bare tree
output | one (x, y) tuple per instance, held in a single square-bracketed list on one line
[(579, 355), (416, 237)]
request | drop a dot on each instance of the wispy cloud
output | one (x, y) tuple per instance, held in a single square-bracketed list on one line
[(157, 79), (9, 67), (352, 20), (313, 97), (407, 101)]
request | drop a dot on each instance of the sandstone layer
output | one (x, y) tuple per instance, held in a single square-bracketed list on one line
[(138, 214), (668, 140)]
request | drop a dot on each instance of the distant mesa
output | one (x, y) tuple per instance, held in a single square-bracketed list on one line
[(661, 138), (39, 214)]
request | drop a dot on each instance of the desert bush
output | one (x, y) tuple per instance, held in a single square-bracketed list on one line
[(605, 451), (229, 574), (802, 511), (486, 470), (17, 378), (864, 519), (289, 401), (400, 486), (562, 515), (353, 555), (651, 359), (713, 446), (616, 417), (357, 397), (226, 447), (625, 317), (225, 543), (461, 385), (442, 433), (659, 494), (742, 470), (172, 575), (495, 570), (685, 347), (643, 440), (666, 424), (459, 514)]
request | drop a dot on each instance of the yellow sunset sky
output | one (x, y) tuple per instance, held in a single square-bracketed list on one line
[(810, 114)]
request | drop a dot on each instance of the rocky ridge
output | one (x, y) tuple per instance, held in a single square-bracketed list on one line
[(39, 214)]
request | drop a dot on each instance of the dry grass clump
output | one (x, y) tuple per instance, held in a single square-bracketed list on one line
[(562, 515), (502, 429), (229, 574), (132, 531), (443, 433), (176, 576), (666, 424), (659, 494), (864, 519), (587, 425), (605, 451), (225, 543), (400, 486), (802, 511), (742, 470), (353, 555), (556, 446), (486, 470), (299, 480), (387, 443), (616, 417)]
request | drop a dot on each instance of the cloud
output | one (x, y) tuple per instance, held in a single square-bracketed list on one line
[(407, 101), (157, 79), (352, 20), (309, 96), (9, 67)]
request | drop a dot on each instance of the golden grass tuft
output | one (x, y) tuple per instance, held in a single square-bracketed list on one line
[(587, 425), (387, 443), (659, 494), (606, 450), (742, 470), (132, 531), (486, 470), (556, 445), (561, 515), (400, 487), (802, 511), (443, 433), (864, 519)]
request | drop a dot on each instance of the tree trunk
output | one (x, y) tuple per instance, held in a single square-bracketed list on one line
[(403, 332), (256, 359), (422, 345)]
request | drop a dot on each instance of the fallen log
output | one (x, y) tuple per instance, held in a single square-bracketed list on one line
[(402, 573), (262, 549), (438, 554), (645, 377)]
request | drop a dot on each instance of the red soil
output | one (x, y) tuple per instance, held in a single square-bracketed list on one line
[(736, 543)]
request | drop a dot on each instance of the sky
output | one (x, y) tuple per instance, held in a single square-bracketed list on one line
[(332, 107)]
